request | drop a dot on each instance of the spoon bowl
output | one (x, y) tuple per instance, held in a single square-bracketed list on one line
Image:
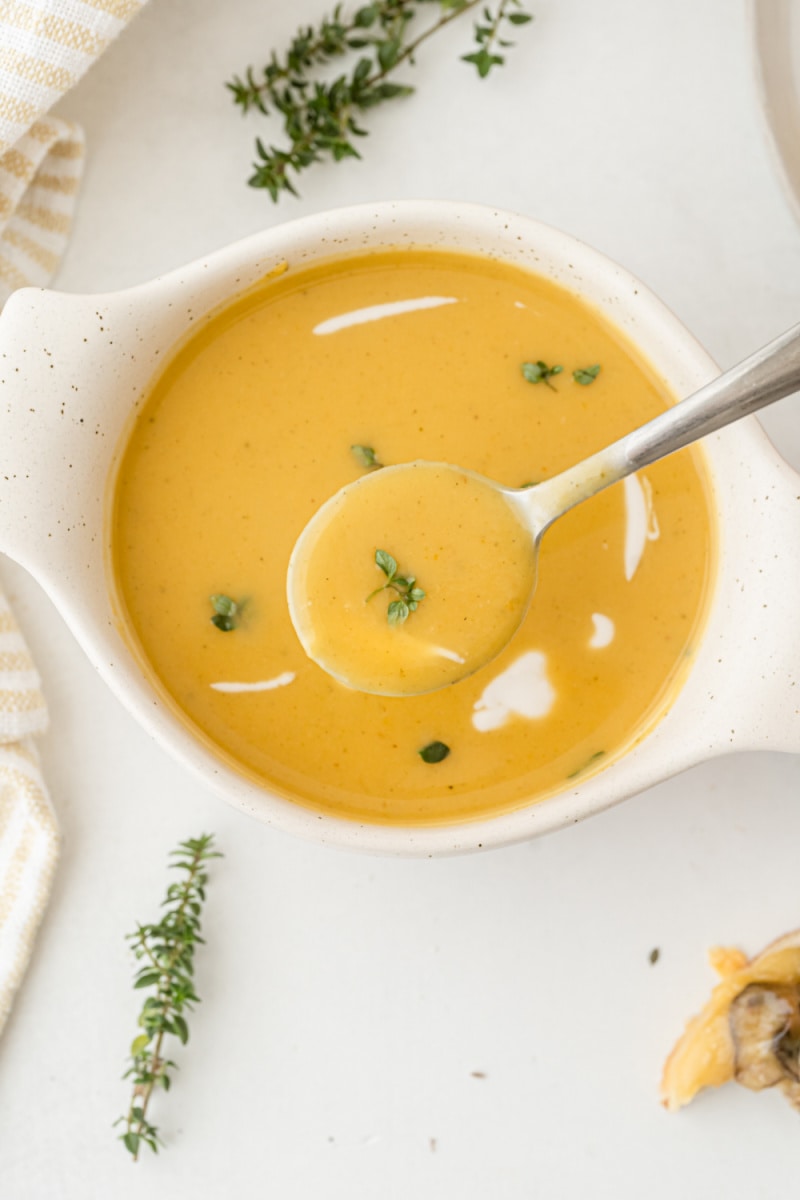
[(476, 586)]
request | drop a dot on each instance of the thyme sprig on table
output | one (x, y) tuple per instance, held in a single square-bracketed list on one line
[(321, 118), (166, 950)]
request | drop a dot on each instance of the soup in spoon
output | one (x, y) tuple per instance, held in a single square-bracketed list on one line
[(308, 383), (413, 633)]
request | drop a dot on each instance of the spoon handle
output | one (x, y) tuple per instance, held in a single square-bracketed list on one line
[(766, 376)]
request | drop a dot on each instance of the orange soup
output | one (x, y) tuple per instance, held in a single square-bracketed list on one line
[(328, 372)]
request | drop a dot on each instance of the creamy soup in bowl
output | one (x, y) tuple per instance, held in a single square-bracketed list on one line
[(191, 427)]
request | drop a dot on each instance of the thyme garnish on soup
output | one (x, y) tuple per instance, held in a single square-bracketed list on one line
[(409, 595), (539, 372), (586, 375), (227, 612), (434, 752), (365, 457)]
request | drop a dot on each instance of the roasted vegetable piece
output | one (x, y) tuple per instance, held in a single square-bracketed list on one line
[(760, 1020), (748, 1031)]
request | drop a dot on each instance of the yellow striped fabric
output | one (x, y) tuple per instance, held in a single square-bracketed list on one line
[(28, 831), (28, 854), (45, 48)]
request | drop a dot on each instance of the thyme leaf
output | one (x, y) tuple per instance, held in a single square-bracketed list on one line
[(397, 612), (434, 752), (227, 613), (586, 375), (365, 457)]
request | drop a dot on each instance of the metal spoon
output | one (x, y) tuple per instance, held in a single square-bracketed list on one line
[(766, 376)]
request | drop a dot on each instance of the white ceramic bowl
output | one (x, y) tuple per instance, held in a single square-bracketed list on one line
[(73, 369)]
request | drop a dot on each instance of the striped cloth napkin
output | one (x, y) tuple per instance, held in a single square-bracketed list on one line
[(45, 48), (28, 836)]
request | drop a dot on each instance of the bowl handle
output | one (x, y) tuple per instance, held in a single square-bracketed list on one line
[(71, 368), (21, 442)]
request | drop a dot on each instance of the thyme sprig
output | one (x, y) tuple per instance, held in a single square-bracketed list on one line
[(166, 950), (321, 118), (405, 586)]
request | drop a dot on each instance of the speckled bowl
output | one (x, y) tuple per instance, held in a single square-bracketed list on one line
[(73, 369)]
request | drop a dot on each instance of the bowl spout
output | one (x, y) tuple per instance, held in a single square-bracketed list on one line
[(755, 676)]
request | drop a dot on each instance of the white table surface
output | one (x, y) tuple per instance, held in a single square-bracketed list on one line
[(482, 1027)]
